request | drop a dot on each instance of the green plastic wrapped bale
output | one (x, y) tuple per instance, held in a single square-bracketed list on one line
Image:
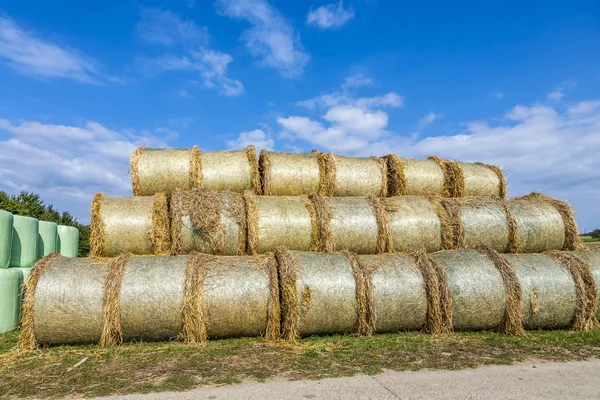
[(47, 238), (10, 301), (477, 287), (25, 272), (593, 258), (549, 294), (68, 241), (24, 242), (6, 232)]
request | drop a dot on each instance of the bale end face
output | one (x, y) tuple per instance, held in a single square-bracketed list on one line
[(254, 172), (288, 276), (97, 229), (27, 338), (160, 232), (264, 170), (112, 332), (134, 169)]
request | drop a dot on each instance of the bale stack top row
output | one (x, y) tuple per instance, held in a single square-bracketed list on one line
[(287, 174)]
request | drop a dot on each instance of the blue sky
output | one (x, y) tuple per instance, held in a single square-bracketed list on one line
[(510, 83)]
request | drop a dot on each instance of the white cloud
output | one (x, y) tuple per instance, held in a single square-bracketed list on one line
[(330, 16), (428, 119), (357, 80), (556, 95), (67, 165), (30, 55), (540, 147), (349, 123), (257, 137), (271, 37), (167, 29)]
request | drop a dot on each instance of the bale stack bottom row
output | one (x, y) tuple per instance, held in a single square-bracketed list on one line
[(291, 294)]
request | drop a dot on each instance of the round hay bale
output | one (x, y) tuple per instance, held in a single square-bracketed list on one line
[(72, 300), (355, 176), (289, 174), (67, 241), (593, 258), (397, 291), (139, 225), (540, 226), (280, 221), (407, 176), (319, 294), (477, 287), (415, 223), (570, 229), (241, 297), (482, 180), (63, 302), (151, 298), (208, 222), (231, 170), (164, 170), (479, 221), (6, 232), (347, 223), (24, 251), (47, 238), (549, 297)]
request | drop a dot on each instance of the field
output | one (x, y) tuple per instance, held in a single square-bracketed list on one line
[(151, 367), (588, 239)]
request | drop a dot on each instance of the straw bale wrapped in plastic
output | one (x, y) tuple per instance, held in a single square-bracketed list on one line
[(280, 221), (139, 225), (191, 297), (417, 222), (321, 294), (6, 232), (47, 238), (355, 224), (396, 291), (67, 243), (412, 177), (593, 258), (164, 170), (10, 301), (478, 290), (208, 222), (290, 174), (24, 242), (471, 179), (549, 294), (543, 224)]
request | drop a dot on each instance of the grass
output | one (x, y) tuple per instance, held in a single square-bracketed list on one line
[(154, 367), (588, 239)]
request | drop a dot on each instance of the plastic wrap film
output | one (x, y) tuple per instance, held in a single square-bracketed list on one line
[(477, 287), (289, 174), (398, 290), (47, 238), (549, 298), (540, 226), (284, 221), (356, 176), (24, 251), (6, 233), (67, 305), (414, 223), (353, 225)]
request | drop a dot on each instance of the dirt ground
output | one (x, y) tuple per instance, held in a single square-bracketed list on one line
[(545, 380)]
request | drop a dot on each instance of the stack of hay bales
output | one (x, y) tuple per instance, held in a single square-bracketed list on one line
[(297, 244)]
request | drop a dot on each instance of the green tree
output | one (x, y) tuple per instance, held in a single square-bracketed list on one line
[(31, 205), (595, 234)]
